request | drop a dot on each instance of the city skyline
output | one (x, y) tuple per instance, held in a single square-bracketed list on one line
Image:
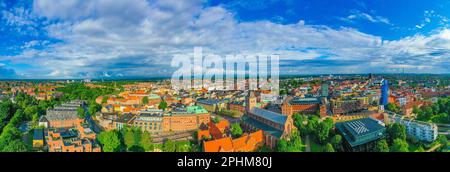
[(135, 39)]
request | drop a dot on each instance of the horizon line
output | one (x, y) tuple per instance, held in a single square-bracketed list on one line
[(167, 77)]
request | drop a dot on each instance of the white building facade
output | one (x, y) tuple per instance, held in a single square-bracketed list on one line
[(422, 131)]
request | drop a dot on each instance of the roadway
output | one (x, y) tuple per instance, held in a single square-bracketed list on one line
[(92, 124)]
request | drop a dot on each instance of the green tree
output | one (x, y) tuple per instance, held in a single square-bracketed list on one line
[(11, 140), (236, 130), (264, 148), (416, 110), (328, 148), (137, 136), (30, 111), (312, 124), (7, 110), (392, 107), (35, 117), (169, 146), (105, 99), (183, 146), (399, 145), (442, 139), (299, 122), (282, 146), (323, 130), (381, 146), (162, 105), (396, 131), (336, 141), (16, 145), (94, 108), (110, 141), (420, 149), (128, 137), (18, 118), (81, 112), (145, 100), (146, 141), (293, 145), (215, 120)]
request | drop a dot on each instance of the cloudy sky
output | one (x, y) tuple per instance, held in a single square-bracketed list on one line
[(138, 38)]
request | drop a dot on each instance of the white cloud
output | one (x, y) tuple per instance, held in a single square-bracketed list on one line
[(358, 15), (430, 16), (138, 38)]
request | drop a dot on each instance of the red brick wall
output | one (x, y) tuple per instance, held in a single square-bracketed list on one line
[(302, 109), (184, 122)]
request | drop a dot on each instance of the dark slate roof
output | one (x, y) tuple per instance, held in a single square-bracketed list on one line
[(266, 128), (56, 115), (298, 100), (43, 119), (361, 131), (66, 133), (210, 101), (269, 115), (237, 103), (38, 134)]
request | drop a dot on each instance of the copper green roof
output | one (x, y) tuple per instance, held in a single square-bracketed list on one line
[(196, 110), (153, 96)]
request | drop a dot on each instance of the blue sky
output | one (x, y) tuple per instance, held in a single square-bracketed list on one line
[(137, 38)]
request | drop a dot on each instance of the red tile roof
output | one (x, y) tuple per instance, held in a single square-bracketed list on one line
[(246, 143)]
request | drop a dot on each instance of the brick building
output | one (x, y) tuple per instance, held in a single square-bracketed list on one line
[(300, 105), (150, 121), (237, 106), (70, 140), (274, 125), (157, 121), (350, 105), (64, 116), (191, 119), (211, 105)]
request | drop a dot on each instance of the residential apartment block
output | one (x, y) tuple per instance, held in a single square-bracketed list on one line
[(422, 131)]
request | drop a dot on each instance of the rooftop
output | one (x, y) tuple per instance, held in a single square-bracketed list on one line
[(266, 128), (297, 100), (269, 115), (209, 101), (361, 131), (38, 134)]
